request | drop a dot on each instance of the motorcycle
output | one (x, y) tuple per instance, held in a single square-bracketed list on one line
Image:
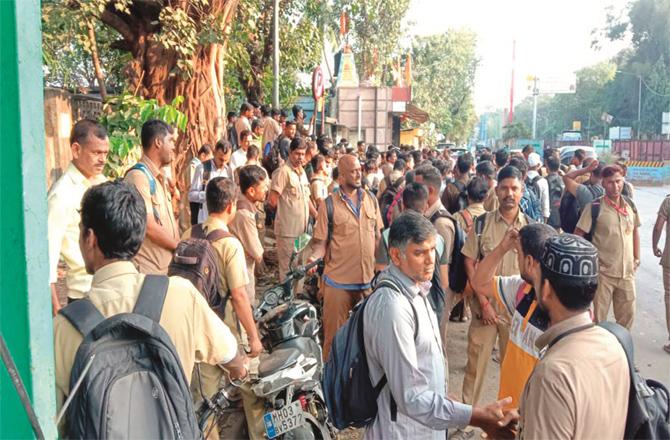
[(289, 375)]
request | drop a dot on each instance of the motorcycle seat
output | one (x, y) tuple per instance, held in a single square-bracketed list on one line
[(277, 360)]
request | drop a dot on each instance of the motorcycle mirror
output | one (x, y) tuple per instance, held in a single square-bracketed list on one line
[(301, 243)]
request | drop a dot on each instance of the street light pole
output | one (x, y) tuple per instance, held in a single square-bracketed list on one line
[(536, 92), (639, 105), (275, 58)]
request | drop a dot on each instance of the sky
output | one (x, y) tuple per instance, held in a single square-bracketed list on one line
[(552, 38)]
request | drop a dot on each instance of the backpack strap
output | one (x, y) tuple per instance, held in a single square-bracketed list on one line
[(595, 212), (330, 209), (152, 185), (218, 234), (83, 315), (383, 381), (480, 222), (630, 203), (467, 218), (152, 297)]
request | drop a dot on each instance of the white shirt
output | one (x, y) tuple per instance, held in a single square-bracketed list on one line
[(238, 159), (64, 201), (544, 193), (197, 191)]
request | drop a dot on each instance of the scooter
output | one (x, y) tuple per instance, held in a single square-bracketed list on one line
[(289, 375)]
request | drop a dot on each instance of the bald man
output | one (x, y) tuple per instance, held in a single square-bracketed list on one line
[(349, 248)]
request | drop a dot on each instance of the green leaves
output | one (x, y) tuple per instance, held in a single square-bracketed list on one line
[(123, 116), (444, 73)]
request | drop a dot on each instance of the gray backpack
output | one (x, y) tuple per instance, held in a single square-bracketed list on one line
[(127, 380)]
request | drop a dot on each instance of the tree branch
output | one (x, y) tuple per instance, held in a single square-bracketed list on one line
[(117, 23)]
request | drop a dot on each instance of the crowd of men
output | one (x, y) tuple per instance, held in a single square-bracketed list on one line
[(534, 284)]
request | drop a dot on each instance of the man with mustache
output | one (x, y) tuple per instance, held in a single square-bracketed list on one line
[(89, 144), (489, 318)]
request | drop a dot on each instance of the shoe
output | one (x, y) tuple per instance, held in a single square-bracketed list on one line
[(461, 434), (666, 348)]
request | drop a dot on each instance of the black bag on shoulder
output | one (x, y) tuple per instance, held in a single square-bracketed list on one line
[(350, 396), (648, 402), (127, 380)]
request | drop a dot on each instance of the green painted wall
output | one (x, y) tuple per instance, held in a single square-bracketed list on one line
[(25, 305)]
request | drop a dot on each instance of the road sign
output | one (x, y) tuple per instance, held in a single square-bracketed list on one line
[(665, 123), (317, 83), (551, 84), (606, 117)]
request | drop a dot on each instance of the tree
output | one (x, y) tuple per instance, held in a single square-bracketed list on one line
[(655, 98), (177, 49), (444, 75), (72, 40), (376, 28), (514, 131), (250, 46)]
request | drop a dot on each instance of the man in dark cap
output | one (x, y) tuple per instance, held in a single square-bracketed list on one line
[(581, 365)]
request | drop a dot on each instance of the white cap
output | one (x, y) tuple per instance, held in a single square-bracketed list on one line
[(534, 160)]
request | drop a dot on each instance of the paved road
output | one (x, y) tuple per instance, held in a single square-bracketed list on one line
[(649, 329)]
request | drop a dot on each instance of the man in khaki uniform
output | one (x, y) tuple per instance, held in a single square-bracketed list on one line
[(253, 189), (349, 249), (113, 222), (222, 206), (617, 239), (443, 222), (581, 363), (490, 319), (89, 144), (664, 255), (147, 176), (290, 195)]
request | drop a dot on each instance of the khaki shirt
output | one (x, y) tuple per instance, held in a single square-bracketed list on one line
[(271, 131), (245, 227), (232, 264), (613, 237), (241, 124), (579, 389), (350, 255), (196, 332), (153, 259), (475, 210), (444, 227), (491, 202), (293, 206), (494, 230), (64, 202), (664, 213)]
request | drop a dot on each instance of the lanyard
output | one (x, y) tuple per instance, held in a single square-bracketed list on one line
[(621, 210)]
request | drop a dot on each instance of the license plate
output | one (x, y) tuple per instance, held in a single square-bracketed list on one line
[(283, 420)]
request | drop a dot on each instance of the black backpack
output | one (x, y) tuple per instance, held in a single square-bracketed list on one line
[(556, 188), (480, 223), (461, 202), (388, 197), (648, 402), (569, 211), (532, 185), (350, 396), (458, 278), (127, 380), (272, 159), (196, 260)]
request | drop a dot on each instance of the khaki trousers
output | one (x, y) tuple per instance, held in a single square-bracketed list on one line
[(620, 292), (481, 339), (213, 376), (337, 303), (666, 287)]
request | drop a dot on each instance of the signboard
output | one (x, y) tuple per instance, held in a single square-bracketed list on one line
[(553, 84), (665, 123), (317, 83), (602, 146), (621, 133), (606, 117), (577, 125)]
